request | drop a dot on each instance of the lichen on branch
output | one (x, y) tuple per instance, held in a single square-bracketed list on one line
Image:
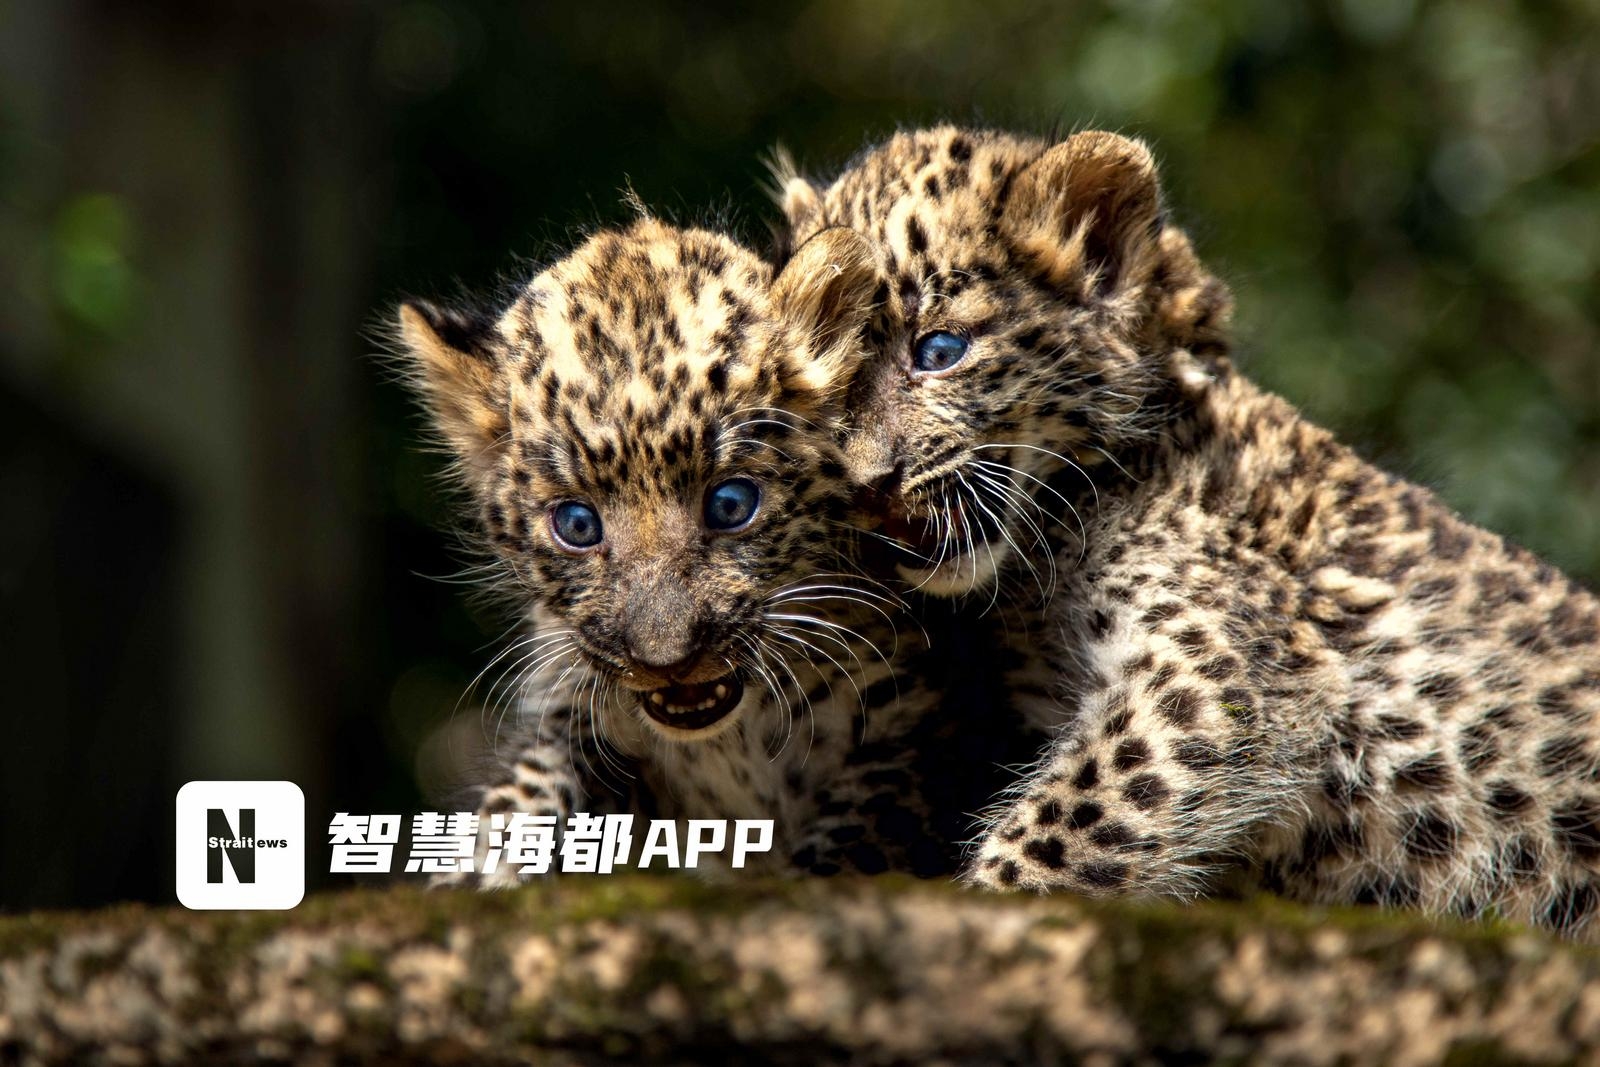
[(882, 971)]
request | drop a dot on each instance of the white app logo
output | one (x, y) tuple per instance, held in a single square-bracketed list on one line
[(241, 845)]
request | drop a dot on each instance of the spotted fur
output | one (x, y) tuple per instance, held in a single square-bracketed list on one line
[(1268, 663), (648, 367)]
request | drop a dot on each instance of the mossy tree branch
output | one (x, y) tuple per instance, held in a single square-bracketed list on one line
[(630, 969)]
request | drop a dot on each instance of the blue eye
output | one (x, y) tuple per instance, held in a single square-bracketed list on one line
[(938, 351), (576, 525), (732, 504)]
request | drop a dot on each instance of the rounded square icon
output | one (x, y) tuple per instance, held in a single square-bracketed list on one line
[(241, 845)]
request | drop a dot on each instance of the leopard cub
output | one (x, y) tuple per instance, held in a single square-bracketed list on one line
[(647, 432), (1266, 662)]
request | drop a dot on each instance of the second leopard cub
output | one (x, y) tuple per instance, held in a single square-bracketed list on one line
[(1266, 659), (646, 434)]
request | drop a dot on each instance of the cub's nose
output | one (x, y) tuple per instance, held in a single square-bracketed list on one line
[(667, 649), (878, 493), (664, 664), (662, 628), (890, 482)]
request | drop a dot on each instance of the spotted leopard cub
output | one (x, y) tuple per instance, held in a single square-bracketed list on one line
[(646, 432), (1268, 663)]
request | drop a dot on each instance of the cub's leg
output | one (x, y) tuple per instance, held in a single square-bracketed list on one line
[(540, 778), (875, 817), (874, 812), (1178, 746), (1147, 794)]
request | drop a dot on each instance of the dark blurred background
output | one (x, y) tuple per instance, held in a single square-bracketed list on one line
[(220, 550)]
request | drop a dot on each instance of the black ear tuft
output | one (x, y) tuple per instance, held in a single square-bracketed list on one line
[(458, 375), (465, 329)]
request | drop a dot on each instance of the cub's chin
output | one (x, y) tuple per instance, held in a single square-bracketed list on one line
[(966, 573)]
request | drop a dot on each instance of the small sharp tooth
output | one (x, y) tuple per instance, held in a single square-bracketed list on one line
[(657, 698), (722, 690)]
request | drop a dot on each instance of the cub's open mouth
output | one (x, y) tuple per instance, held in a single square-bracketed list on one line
[(933, 541), (695, 705)]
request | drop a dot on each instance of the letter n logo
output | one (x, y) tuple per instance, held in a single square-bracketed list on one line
[(217, 826), (242, 860)]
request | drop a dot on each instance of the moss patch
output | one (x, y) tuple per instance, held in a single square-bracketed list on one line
[(640, 968)]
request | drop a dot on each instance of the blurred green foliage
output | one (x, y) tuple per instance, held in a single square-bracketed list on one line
[(92, 280)]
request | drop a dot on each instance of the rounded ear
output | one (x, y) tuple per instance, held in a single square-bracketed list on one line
[(828, 289), (1193, 307), (454, 369), (802, 203), (1088, 212), (800, 200)]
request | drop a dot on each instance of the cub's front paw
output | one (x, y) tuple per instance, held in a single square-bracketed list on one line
[(1060, 850)]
